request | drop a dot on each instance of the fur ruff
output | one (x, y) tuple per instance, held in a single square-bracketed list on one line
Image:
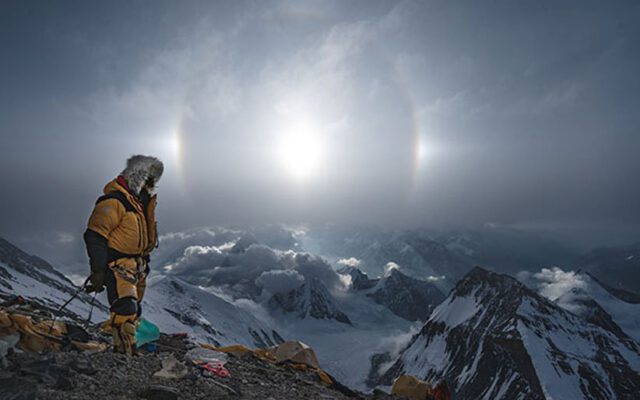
[(139, 169)]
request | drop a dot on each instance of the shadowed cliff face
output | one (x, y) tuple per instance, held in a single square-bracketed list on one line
[(407, 297)]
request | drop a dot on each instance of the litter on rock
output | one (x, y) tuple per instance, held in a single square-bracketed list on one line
[(146, 332), (207, 355), (209, 368), (172, 369)]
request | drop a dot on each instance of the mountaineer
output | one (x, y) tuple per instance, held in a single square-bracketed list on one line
[(121, 234)]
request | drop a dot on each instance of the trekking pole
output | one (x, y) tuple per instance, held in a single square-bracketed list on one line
[(93, 302), (62, 307)]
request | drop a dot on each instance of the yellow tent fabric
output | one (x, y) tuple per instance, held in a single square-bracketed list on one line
[(296, 352), (412, 388), (40, 336), (237, 350)]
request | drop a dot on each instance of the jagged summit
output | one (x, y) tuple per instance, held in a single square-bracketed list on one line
[(479, 275), (491, 328), (407, 297), (359, 279)]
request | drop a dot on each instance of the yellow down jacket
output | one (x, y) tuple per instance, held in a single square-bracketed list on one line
[(130, 230)]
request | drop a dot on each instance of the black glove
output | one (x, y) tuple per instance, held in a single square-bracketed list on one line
[(96, 282)]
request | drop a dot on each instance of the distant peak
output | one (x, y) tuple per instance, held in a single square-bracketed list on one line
[(479, 276), (479, 273)]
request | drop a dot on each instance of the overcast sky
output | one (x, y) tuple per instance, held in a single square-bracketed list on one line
[(431, 113)]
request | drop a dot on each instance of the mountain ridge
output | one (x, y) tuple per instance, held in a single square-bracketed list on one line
[(520, 339)]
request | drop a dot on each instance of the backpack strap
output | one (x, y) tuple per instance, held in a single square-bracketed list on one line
[(118, 196)]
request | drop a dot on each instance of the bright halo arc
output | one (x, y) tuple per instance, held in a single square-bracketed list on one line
[(301, 152)]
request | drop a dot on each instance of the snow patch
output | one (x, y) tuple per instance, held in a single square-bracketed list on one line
[(456, 311)]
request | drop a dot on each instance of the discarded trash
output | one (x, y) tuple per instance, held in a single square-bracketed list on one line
[(206, 355), (212, 368), (294, 354), (146, 332), (210, 362), (8, 342), (172, 369)]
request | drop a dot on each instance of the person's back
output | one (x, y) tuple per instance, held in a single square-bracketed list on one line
[(120, 236)]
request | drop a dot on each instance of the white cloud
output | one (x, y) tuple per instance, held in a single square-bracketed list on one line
[(346, 280), (277, 281), (243, 271), (554, 282), (195, 258), (349, 262), (312, 266)]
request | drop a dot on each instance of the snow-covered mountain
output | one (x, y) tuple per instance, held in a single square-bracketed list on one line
[(312, 300), (596, 301), (22, 274), (359, 280), (177, 306), (407, 297), (493, 338)]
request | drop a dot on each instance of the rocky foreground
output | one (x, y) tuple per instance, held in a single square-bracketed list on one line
[(75, 375)]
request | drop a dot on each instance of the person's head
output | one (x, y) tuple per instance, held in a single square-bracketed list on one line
[(143, 172)]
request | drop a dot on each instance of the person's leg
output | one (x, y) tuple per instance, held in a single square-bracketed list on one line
[(123, 298)]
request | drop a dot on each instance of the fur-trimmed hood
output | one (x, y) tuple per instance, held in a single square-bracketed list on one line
[(139, 169)]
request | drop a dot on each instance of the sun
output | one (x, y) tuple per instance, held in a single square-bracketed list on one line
[(301, 151)]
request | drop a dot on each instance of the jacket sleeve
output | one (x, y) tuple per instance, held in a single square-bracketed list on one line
[(104, 219), (97, 250)]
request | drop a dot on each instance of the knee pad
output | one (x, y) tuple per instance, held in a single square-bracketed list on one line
[(125, 306)]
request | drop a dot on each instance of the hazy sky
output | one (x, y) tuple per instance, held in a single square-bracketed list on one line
[(397, 113)]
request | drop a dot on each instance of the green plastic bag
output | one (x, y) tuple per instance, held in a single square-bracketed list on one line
[(146, 332)]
